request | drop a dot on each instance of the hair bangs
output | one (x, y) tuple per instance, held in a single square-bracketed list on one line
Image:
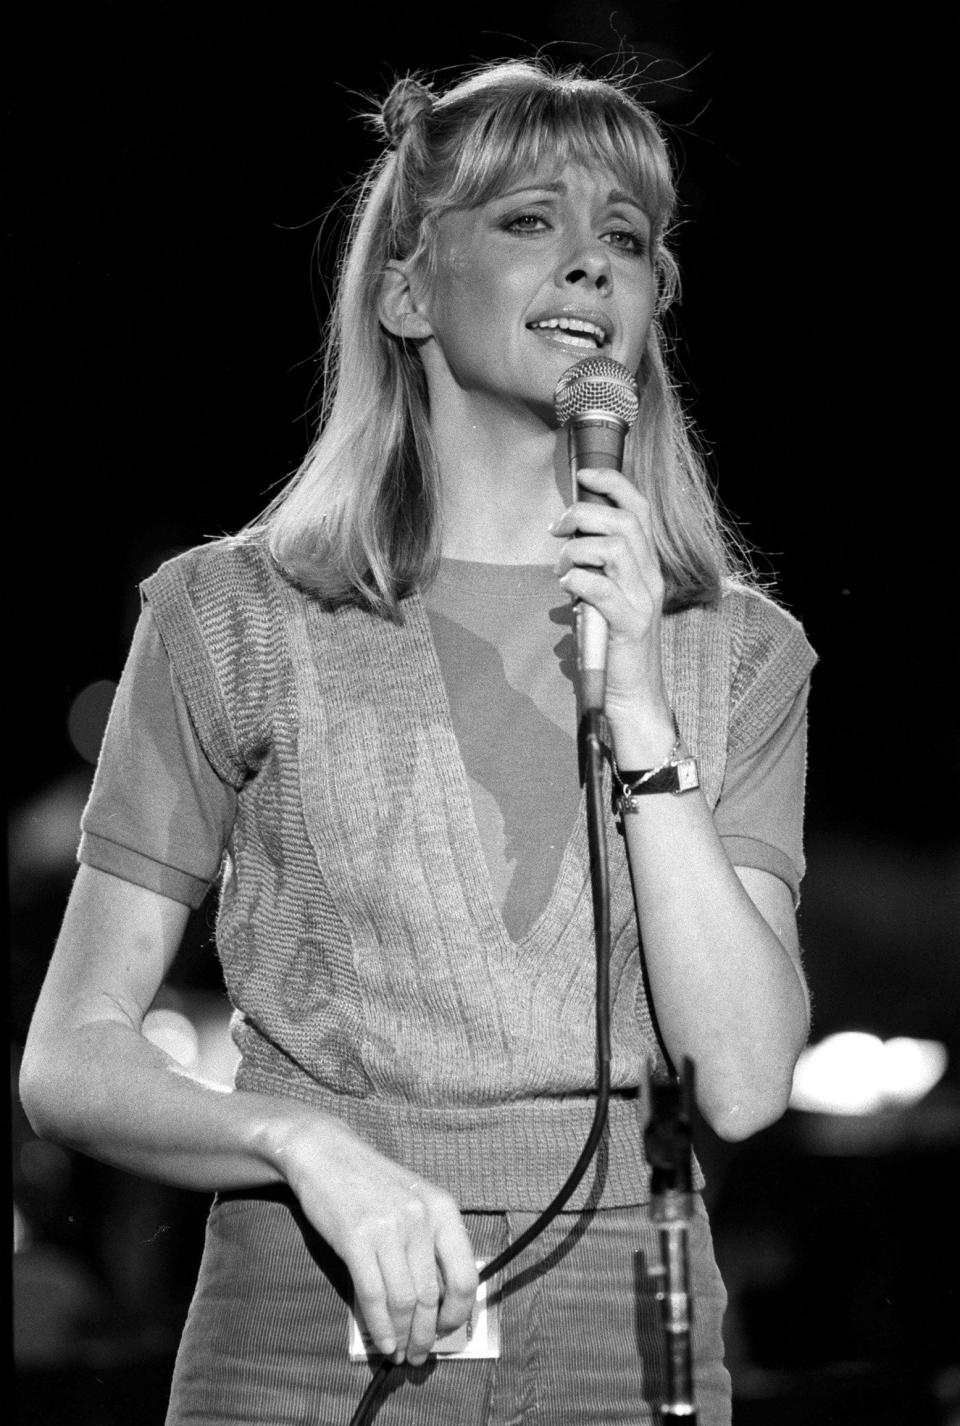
[(545, 128)]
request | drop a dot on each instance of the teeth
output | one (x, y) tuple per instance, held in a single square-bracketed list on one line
[(574, 324)]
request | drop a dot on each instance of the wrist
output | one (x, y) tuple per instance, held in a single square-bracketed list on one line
[(642, 741), (674, 772), (285, 1138)]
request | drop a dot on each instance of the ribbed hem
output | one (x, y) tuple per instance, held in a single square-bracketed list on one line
[(499, 1157)]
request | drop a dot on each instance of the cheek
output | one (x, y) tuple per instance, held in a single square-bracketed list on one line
[(485, 296), (643, 308)]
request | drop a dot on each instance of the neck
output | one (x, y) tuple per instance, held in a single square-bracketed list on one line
[(503, 478)]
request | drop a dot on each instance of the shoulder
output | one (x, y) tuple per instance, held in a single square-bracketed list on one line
[(762, 628), (220, 612), (234, 567), (771, 657)]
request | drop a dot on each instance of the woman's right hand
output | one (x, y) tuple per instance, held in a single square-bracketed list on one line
[(90, 1080), (401, 1238)]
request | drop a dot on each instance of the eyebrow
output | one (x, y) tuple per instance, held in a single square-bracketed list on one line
[(616, 195)]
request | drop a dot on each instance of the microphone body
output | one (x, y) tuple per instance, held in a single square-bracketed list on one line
[(597, 400)]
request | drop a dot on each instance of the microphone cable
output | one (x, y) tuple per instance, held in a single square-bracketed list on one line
[(594, 751)]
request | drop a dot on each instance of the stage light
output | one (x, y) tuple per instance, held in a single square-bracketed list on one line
[(172, 1032), (911, 1068), (857, 1073), (22, 1233), (194, 1029), (87, 718)]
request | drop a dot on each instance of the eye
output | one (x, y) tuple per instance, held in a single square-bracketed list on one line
[(525, 223), (628, 240)]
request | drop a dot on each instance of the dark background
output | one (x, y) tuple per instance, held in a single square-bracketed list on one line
[(170, 166)]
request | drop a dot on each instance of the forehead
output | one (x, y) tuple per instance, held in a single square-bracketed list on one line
[(574, 181)]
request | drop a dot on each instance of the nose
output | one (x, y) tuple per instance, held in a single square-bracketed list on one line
[(588, 266)]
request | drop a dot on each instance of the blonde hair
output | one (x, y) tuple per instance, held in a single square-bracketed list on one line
[(359, 522)]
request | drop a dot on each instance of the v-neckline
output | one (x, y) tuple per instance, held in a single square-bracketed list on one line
[(571, 881)]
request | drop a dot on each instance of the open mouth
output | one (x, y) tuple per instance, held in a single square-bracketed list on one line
[(572, 331)]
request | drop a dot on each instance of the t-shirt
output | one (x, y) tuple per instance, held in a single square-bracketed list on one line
[(159, 816)]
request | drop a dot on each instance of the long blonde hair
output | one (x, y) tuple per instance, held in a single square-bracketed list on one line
[(359, 521)]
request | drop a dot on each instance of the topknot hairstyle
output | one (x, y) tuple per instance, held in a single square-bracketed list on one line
[(407, 101)]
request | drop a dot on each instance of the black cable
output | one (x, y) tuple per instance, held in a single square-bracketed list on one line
[(594, 751)]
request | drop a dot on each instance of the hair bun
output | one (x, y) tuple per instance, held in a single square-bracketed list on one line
[(407, 100)]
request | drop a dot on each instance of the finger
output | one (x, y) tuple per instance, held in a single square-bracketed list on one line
[(459, 1276), (371, 1300), (426, 1284), (612, 553), (399, 1291), (604, 480), (622, 610), (616, 492), (582, 518), (633, 573), (594, 588)]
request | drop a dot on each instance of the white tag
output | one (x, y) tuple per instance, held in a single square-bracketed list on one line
[(479, 1337)]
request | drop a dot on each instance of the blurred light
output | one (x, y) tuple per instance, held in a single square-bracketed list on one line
[(911, 1068), (193, 1027), (22, 1236), (88, 716), (172, 1032), (43, 837), (45, 1166), (856, 1073), (218, 1056)]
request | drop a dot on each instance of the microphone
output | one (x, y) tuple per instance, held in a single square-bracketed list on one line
[(597, 400)]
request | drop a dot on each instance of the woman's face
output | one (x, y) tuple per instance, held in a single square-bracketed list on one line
[(555, 269)]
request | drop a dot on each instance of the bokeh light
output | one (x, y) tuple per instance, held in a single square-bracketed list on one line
[(853, 1072), (172, 1032), (88, 716)]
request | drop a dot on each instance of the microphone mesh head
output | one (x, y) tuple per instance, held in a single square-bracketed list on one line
[(597, 386)]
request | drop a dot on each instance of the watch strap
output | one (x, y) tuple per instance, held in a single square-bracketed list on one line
[(678, 775)]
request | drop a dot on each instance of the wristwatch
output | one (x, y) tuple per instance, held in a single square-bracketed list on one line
[(676, 775)]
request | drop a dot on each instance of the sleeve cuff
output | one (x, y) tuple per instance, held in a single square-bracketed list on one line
[(747, 851), (104, 855)]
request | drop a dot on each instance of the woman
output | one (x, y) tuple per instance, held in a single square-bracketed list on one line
[(360, 714)]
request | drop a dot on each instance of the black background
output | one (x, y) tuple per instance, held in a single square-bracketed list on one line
[(170, 168)]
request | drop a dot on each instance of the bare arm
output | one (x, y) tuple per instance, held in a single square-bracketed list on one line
[(720, 943), (90, 1080), (723, 961)]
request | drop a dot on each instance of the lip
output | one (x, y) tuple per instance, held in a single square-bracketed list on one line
[(598, 319)]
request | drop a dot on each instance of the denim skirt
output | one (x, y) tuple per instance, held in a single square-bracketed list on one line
[(581, 1331)]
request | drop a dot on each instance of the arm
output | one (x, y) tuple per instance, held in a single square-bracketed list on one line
[(720, 945), (90, 1080)]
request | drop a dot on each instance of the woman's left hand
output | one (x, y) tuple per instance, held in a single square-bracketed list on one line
[(609, 561)]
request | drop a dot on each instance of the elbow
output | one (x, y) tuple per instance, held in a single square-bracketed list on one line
[(738, 1123), (739, 1117), (32, 1097), (41, 1096), (751, 1089)]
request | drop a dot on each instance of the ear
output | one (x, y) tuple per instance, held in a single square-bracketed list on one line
[(400, 309)]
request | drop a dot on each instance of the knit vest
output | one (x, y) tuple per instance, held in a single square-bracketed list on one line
[(362, 949)]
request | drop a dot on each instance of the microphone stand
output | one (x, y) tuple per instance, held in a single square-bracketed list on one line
[(667, 1143)]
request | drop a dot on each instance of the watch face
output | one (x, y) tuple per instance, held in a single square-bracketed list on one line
[(687, 775)]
